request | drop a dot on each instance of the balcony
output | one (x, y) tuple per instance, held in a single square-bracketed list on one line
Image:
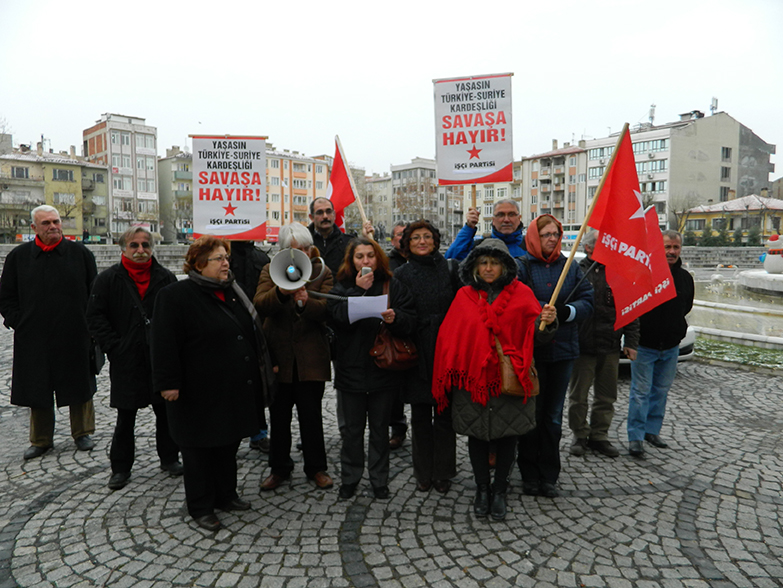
[(544, 171), (7, 180), (88, 184), (559, 170), (546, 188), (183, 175), (183, 193)]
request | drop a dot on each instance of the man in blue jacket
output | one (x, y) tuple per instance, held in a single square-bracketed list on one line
[(506, 226)]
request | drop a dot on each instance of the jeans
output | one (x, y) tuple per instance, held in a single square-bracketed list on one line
[(652, 374), (539, 450)]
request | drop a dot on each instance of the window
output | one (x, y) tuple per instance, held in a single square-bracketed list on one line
[(319, 185), (594, 173), (591, 191), (274, 163), (182, 166), (285, 164), (725, 174), (150, 185), (275, 197), (117, 183), (183, 187), (300, 184), (22, 173), (149, 141), (139, 163), (299, 167), (502, 193), (725, 153), (99, 179), (660, 208), (115, 138), (150, 164), (487, 210), (116, 160), (275, 181), (62, 175), (141, 185), (127, 183), (534, 199), (126, 161), (319, 169), (139, 141), (572, 161), (126, 138), (534, 183), (489, 193), (582, 178), (696, 224), (718, 223), (724, 193), (487, 226), (64, 198)]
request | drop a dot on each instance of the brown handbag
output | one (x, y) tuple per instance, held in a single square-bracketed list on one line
[(391, 352), (509, 383)]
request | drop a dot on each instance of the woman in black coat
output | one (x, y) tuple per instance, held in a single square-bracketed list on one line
[(209, 360), (428, 278), (366, 393)]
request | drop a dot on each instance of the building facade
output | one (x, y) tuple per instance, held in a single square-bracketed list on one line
[(128, 147), (76, 188), (738, 216)]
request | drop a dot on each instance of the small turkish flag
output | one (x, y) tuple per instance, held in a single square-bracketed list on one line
[(340, 190)]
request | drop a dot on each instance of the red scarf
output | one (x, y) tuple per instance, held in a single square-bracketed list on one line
[(140, 273), (465, 355), (533, 241), (45, 247)]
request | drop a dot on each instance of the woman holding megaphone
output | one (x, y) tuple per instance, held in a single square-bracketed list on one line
[(294, 323)]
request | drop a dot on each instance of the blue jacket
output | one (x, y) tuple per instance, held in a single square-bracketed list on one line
[(464, 243), (542, 278)]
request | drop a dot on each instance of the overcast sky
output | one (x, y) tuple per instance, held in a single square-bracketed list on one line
[(302, 72)]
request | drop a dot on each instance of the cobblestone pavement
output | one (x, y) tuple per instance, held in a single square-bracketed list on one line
[(706, 512)]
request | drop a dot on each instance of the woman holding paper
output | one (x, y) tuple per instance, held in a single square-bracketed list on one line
[(428, 276), (365, 393)]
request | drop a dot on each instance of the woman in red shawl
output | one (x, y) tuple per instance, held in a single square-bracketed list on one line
[(494, 305)]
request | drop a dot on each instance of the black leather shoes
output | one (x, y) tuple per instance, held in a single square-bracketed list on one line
[(174, 469), (655, 441), (35, 451), (84, 443), (381, 492), (119, 480), (603, 447), (236, 504), (531, 488), (442, 486), (346, 491), (636, 448), (209, 522), (498, 508), (481, 503), (272, 482), (423, 486), (549, 490)]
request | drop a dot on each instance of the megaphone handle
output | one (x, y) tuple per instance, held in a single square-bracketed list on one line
[(300, 304)]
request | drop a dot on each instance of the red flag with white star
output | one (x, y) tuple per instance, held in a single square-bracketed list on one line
[(340, 190), (630, 243)]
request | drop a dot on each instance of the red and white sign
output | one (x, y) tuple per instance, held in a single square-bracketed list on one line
[(473, 129), (229, 187)]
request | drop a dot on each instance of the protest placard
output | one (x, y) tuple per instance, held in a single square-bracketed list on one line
[(473, 129), (229, 187)]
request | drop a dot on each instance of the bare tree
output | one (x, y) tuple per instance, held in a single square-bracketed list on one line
[(679, 207)]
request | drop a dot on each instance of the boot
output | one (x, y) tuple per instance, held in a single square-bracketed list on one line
[(498, 508), (481, 504)]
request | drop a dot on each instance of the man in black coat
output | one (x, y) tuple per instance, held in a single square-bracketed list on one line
[(399, 422), (43, 295), (119, 317), (327, 236), (655, 366)]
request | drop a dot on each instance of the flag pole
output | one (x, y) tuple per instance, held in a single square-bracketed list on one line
[(583, 228), (353, 186)]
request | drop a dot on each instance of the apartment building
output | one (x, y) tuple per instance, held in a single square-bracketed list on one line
[(175, 192), (128, 147), (76, 188), (696, 160)]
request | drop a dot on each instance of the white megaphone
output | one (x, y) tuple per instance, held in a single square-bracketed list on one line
[(290, 269)]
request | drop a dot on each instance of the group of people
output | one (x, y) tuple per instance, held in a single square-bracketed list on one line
[(210, 353)]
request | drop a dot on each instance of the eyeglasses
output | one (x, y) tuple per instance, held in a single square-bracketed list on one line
[(143, 245), (545, 236), (323, 212), (511, 215), (417, 238), (220, 258)]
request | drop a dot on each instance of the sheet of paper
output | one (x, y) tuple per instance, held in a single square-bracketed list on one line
[(362, 307)]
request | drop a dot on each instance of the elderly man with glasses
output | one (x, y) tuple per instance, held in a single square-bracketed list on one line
[(119, 317), (506, 226)]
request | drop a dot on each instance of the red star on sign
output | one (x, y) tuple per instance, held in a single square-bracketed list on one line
[(474, 152), (230, 210)]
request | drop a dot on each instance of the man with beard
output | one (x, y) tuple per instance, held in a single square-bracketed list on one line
[(119, 316), (328, 237)]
